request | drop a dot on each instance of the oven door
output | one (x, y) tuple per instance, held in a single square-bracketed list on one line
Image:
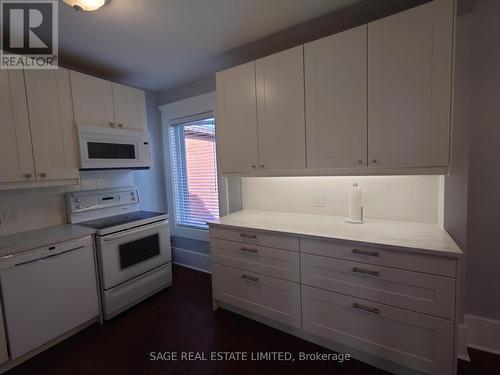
[(125, 255), (102, 148)]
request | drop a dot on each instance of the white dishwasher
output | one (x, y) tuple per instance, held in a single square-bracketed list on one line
[(47, 292)]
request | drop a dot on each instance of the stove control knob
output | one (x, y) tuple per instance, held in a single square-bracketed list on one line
[(78, 206), (133, 198), (77, 200)]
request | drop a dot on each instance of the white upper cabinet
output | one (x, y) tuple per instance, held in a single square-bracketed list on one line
[(375, 99), (409, 87), (16, 161), (98, 102), (130, 107), (236, 119), (52, 125), (336, 102), (92, 100), (280, 110)]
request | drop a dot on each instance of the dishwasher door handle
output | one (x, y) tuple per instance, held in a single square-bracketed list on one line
[(49, 258)]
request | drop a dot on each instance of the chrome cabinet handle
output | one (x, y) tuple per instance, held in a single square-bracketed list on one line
[(374, 161), (254, 166), (27, 175), (368, 272), (120, 125), (360, 161), (43, 175), (248, 277), (247, 250), (112, 124), (362, 252), (373, 310), (244, 235), (262, 166)]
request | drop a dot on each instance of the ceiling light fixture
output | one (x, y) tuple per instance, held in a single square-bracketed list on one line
[(85, 5)]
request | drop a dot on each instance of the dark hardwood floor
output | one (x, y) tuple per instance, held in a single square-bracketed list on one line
[(180, 318)]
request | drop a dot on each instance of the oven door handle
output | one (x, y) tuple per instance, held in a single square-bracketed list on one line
[(132, 231)]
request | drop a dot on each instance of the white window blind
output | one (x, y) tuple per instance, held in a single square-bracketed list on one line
[(194, 171)]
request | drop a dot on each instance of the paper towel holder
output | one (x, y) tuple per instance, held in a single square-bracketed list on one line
[(355, 218), (352, 221)]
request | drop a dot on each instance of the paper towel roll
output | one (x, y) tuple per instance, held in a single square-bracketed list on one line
[(355, 212)]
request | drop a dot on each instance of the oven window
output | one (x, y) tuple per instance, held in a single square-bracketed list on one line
[(100, 150), (138, 251)]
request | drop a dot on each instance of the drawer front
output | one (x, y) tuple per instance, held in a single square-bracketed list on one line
[(411, 339), (280, 241), (430, 294), (267, 296), (373, 255), (283, 264)]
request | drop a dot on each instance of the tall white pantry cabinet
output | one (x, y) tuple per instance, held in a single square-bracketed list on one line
[(375, 99)]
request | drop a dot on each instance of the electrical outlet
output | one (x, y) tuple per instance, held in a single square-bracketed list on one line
[(8, 216), (318, 200)]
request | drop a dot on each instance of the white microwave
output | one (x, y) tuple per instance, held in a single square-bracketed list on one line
[(106, 148)]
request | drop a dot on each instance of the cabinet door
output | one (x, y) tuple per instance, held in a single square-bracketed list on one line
[(409, 87), (236, 119), (92, 100), (52, 126), (336, 103), (130, 107), (280, 110), (16, 161), (418, 341)]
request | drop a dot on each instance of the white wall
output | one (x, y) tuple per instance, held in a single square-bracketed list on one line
[(483, 235), (151, 182), (404, 198)]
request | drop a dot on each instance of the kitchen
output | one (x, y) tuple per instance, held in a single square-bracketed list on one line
[(309, 184)]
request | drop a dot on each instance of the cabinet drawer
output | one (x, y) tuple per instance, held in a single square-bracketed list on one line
[(280, 241), (270, 297), (375, 255), (430, 294), (283, 264), (411, 339)]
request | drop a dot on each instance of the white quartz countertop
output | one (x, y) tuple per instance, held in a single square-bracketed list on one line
[(417, 237), (22, 241)]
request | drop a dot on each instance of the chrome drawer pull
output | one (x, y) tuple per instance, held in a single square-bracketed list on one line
[(366, 308), (251, 278), (362, 252), (248, 235), (247, 250), (368, 272)]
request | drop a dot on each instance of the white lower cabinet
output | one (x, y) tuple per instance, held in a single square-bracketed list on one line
[(430, 294), (270, 297), (279, 263), (411, 339), (394, 305)]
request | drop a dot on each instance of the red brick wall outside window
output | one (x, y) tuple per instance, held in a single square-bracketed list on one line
[(197, 197)]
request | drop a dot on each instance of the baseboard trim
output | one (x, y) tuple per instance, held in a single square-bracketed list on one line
[(192, 259), (483, 333), (462, 343)]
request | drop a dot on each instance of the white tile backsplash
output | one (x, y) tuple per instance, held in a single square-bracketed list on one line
[(402, 198), (43, 207)]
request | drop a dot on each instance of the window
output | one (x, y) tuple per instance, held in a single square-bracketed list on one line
[(194, 171)]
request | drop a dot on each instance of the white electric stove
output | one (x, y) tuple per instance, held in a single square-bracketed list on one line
[(133, 246)]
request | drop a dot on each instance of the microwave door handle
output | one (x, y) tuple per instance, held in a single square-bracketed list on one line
[(132, 231)]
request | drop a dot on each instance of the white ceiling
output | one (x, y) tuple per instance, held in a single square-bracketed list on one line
[(160, 44)]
